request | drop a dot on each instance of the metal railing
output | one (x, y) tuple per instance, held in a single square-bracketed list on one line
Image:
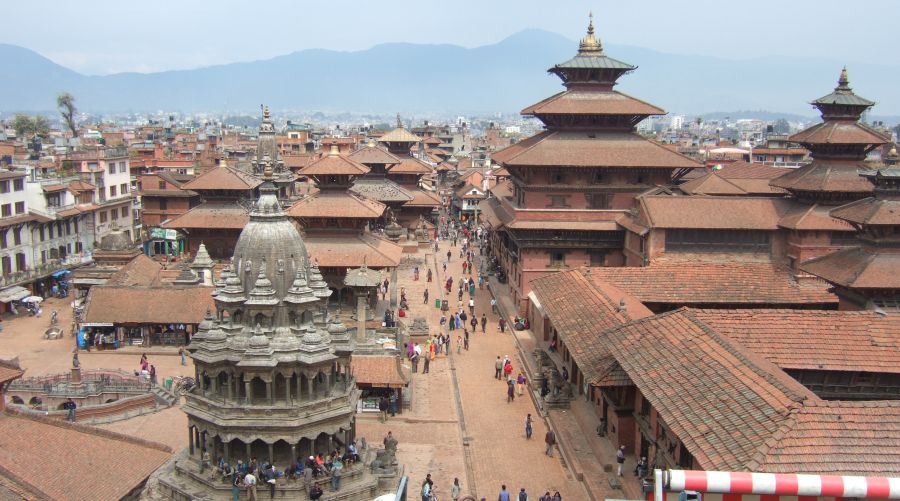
[(92, 382)]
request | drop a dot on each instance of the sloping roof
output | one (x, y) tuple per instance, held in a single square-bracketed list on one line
[(826, 177), (813, 339), (706, 212), (839, 132), (211, 215), (399, 135), (857, 268), (746, 170), (839, 438), (813, 217), (340, 205), (383, 371), (381, 189), (148, 305), (81, 186), (140, 271), (86, 462), (562, 224), (9, 370), (52, 188), (711, 184), (423, 198), (592, 102), (580, 309), (223, 178), (370, 154), (352, 250), (409, 165), (870, 211), (720, 400), (691, 282), (334, 165), (579, 149)]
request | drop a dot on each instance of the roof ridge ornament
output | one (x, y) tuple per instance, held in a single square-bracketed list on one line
[(399, 122), (843, 82), (590, 45)]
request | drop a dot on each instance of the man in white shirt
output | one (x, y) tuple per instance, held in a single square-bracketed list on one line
[(250, 482)]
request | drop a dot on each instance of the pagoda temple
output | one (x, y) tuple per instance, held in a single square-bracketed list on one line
[(274, 378), (267, 147), (336, 221), (838, 147), (375, 185), (866, 276), (572, 182)]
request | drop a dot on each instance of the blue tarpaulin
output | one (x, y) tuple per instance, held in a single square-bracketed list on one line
[(59, 273)]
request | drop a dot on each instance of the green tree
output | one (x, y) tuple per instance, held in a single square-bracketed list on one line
[(65, 103), (26, 125)]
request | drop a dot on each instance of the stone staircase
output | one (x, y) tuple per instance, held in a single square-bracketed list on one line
[(163, 396)]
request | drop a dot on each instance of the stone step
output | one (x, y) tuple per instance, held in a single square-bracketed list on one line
[(163, 396)]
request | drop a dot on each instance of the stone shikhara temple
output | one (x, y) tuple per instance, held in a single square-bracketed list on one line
[(274, 379)]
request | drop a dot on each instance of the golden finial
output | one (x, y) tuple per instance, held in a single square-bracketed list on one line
[(843, 80), (266, 113), (589, 45)]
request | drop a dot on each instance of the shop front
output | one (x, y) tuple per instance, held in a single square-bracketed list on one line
[(164, 242), (380, 376)]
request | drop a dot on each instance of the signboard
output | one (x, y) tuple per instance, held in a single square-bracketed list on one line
[(163, 234)]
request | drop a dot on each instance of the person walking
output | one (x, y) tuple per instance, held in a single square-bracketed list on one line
[(414, 358), (425, 295), (502, 323), (528, 427), (183, 352), (455, 490), (494, 305), (620, 459), (466, 340), (336, 472), (520, 384), (556, 497), (523, 496), (425, 367), (504, 494), (448, 255), (427, 486), (458, 345), (392, 404), (510, 392), (472, 308), (474, 321), (383, 408), (483, 323), (236, 486), (416, 273), (428, 276), (498, 368), (550, 440)]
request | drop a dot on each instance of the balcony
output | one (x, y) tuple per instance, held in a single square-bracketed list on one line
[(43, 270)]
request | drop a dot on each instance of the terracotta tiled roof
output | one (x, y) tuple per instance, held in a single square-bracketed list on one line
[(580, 309), (705, 212), (826, 177), (746, 170), (423, 198), (148, 305), (297, 161), (812, 217), (399, 135), (223, 178), (378, 371), (857, 268), (380, 189), (6, 222), (338, 205), (211, 215), (87, 463), (334, 165), (352, 250), (410, 165), (813, 339), (81, 186), (52, 188), (371, 155), (711, 184), (838, 438), (140, 271), (683, 283), (870, 211), (9, 370), (564, 225), (839, 132), (579, 149), (720, 400), (592, 102)]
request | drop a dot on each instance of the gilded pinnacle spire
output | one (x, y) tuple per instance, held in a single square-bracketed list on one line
[(843, 81), (589, 45), (266, 115)]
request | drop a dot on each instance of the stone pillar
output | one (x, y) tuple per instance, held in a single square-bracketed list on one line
[(361, 319), (248, 392), (293, 452), (230, 386), (191, 440), (270, 395), (249, 453), (271, 453), (299, 387), (330, 443), (287, 390), (309, 385), (226, 449)]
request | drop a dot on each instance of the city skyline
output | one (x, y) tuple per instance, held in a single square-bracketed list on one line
[(196, 35)]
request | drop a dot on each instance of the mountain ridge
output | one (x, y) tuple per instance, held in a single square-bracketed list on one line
[(440, 78)]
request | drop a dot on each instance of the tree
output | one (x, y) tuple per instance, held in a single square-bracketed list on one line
[(65, 103), (26, 125)]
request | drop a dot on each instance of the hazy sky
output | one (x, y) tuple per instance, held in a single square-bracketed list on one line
[(108, 36)]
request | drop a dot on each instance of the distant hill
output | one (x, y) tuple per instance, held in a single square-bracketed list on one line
[(502, 77)]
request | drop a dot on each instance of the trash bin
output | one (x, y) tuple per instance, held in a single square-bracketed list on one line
[(437, 303), (168, 384), (445, 305)]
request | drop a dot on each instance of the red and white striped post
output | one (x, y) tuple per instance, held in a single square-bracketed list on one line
[(776, 484)]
